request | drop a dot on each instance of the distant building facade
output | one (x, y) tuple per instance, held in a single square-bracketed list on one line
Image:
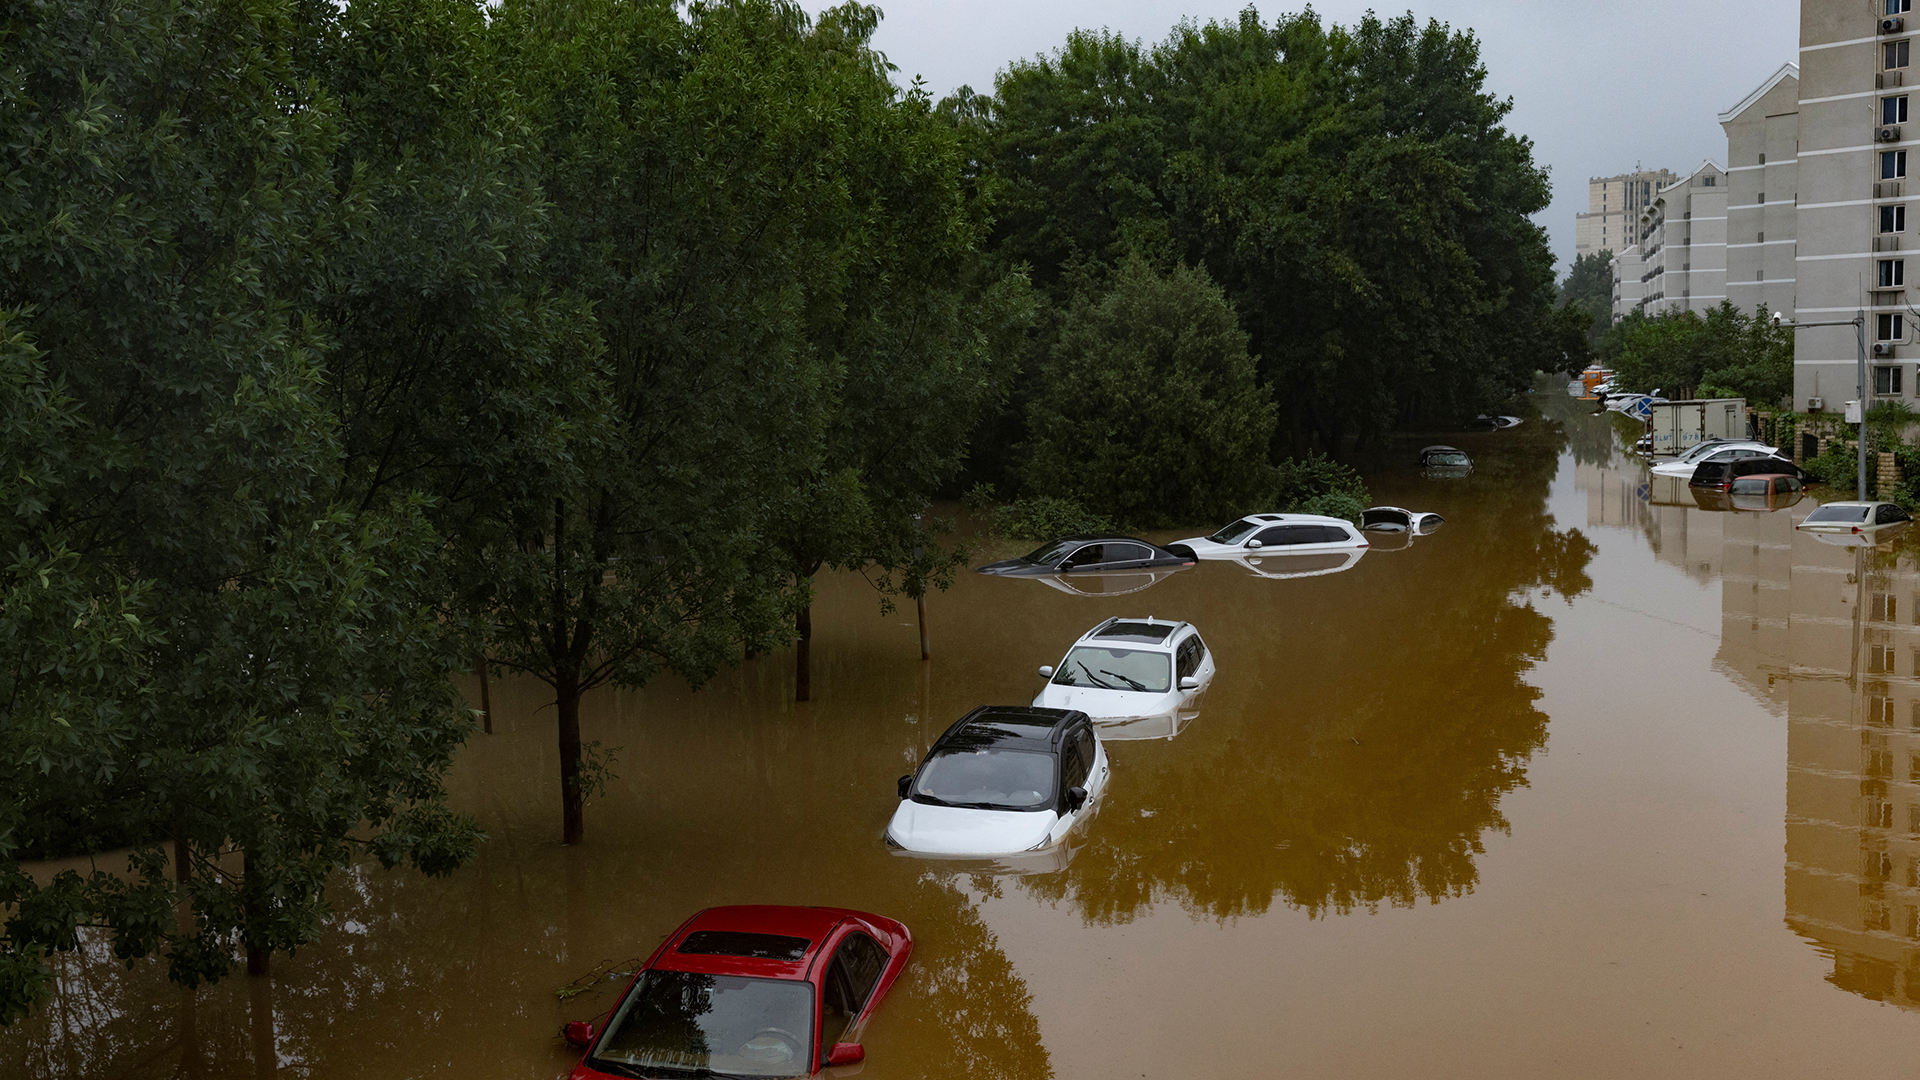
[(1614, 204), (1676, 259)]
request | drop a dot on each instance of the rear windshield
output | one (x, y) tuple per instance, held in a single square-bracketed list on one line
[(1053, 552), (1840, 513), (1453, 458), (1233, 532), (1750, 485), (987, 779), (1116, 669), (741, 943)]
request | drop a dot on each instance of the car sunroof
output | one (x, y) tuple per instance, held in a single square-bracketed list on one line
[(1147, 633), (744, 943)]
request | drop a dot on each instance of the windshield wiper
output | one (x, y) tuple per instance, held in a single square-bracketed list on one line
[(1124, 679), (1095, 678)]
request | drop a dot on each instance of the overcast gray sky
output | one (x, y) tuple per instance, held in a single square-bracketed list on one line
[(1599, 85)]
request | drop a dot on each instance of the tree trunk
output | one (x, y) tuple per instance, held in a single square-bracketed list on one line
[(266, 1052), (257, 955), (486, 702), (803, 655), (573, 817)]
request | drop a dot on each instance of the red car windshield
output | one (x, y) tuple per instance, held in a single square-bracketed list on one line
[(677, 1023)]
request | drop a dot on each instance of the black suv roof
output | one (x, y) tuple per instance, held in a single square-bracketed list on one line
[(1015, 726)]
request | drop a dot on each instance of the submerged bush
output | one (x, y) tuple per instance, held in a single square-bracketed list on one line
[(1317, 484), (1041, 518)]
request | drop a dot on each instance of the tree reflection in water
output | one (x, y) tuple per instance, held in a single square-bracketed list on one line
[(1375, 744)]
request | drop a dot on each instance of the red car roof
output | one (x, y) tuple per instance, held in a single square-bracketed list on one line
[(812, 923)]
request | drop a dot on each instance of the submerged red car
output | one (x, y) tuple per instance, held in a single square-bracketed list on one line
[(748, 991)]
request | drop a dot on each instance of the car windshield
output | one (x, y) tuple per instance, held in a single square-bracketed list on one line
[(1701, 450), (1234, 532), (988, 778), (1116, 669), (1453, 458), (678, 1023), (1750, 485), (1053, 552), (1840, 513)]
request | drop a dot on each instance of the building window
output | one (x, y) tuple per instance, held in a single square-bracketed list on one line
[(1880, 660), (1893, 164), (1886, 380), (1886, 608), (1893, 273), (1897, 54), (1759, 238), (1893, 219), (1891, 326), (1893, 110), (1898, 7)]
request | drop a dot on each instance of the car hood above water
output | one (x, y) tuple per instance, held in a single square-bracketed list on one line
[(1106, 704), (954, 830)]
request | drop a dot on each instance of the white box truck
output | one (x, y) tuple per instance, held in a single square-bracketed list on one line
[(1678, 425)]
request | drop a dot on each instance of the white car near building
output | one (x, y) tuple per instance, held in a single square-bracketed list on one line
[(1124, 669), (1720, 450)]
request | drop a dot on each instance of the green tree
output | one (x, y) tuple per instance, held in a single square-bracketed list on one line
[(1149, 408), (251, 671), (919, 333), (1588, 290), (1723, 353), (1353, 191), (693, 166)]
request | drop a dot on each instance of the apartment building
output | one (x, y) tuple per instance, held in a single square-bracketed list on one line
[(1852, 237), (1763, 134), (1629, 281), (1683, 244), (1614, 204)]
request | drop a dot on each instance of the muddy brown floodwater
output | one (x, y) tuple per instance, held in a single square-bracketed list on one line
[(1503, 802)]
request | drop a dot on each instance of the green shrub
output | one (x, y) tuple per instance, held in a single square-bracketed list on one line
[(1040, 518), (1317, 484), (1838, 466)]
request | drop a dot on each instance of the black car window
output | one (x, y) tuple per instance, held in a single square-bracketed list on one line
[(1052, 553), (1750, 485), (1076, 760), (838, 1003), (1233, 533), (1088, 556), (1188, 659), (864, 960), (1083, 739), (1333, 534), (1386, 517), (1128, 553), (744, 943), (1287, 535), (1887, 515), (1789, 483)]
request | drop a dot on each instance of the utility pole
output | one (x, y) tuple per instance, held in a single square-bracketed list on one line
[(1859, 324)]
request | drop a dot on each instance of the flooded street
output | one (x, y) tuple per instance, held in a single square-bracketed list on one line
[(1505, 801)]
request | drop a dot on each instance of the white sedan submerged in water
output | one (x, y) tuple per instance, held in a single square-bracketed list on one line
[(1123, 669), (1002, 780)]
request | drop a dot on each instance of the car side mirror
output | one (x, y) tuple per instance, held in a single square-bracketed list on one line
[(1046, 671), (1076, 797), (1255, 544), (846, 1054), (1189, 682), (578, 1033), (905, 785)]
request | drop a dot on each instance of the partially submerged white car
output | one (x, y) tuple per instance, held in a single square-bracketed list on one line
[(1001, 781), (1715, 450), (1855, 524), (1124, 669), (1267, 532), (1394, 519)]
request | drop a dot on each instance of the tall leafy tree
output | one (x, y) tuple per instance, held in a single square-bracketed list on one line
[(251, 672), (1352, 190), (1149, 407), (1588, 290), (691, 167), (918, 331)]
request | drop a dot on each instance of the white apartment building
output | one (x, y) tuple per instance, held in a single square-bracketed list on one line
[(1614, 204), (1629, 281), (1763, 133), (1853, 240), (1678, 259)]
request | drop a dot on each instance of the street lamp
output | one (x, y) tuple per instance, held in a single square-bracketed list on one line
[(1859, 324)]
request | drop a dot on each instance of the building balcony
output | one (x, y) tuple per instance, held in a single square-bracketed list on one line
[(1896, 298), (1888, 189), (1887, 242)]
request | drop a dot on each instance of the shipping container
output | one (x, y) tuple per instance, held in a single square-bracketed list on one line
[(1678, 425)]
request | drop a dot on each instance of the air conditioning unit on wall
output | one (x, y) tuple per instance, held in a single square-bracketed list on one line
[(1888, 133), (1815, 404), (1892, 25), (1883, 348)]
